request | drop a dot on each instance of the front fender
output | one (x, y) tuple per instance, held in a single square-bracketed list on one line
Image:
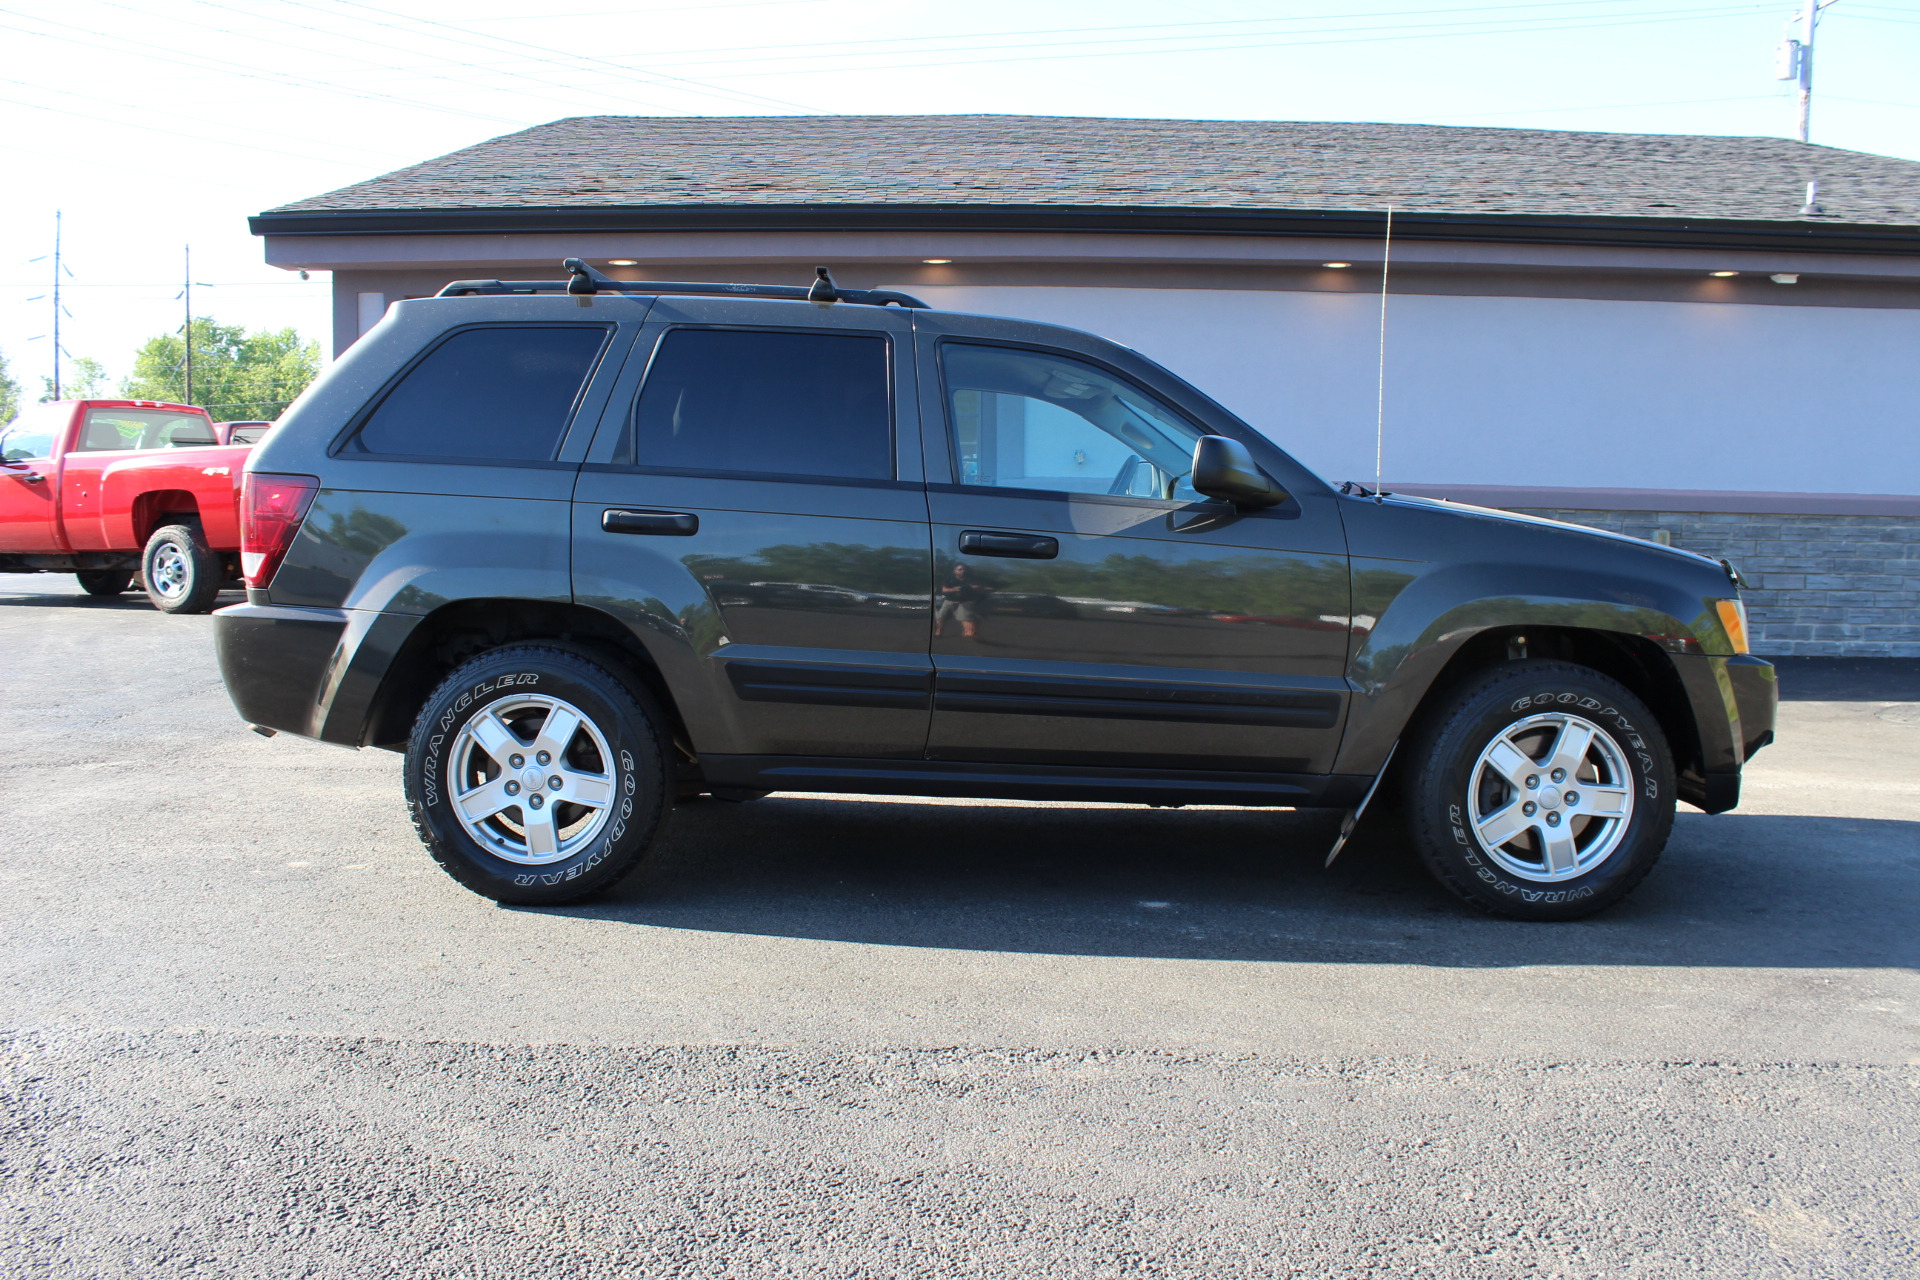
[(1477, 572)]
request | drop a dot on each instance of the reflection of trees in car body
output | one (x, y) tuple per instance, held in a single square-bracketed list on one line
[(834, 566), (1281, 589)]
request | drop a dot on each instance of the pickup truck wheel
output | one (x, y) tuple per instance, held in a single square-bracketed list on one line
[(1540, 791), (535, 775), (182, 574), (104, 582)]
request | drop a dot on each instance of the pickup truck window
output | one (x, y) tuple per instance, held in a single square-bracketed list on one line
[(1034, 420), (497, 393), (142, 429), (737, 400)]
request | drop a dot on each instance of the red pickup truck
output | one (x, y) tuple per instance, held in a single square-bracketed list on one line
[(105, 489)]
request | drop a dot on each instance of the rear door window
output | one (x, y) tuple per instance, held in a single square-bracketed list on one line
[(500, 393), (765, 402)]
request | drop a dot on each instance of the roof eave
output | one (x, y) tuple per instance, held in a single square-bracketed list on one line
[(1821, 235)]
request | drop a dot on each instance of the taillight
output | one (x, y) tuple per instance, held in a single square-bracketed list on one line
[(271, 509)]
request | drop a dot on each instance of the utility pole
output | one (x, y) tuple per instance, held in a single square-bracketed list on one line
[(56, 304), (186, 292), (1796, 58)]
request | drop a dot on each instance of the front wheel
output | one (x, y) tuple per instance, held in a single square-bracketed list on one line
[(182, 573), (1540, 791), (536, 775), (105, 583)]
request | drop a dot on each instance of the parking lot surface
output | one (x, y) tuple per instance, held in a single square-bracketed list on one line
[(250, 1029)]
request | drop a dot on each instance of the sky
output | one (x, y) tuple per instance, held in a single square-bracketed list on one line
[(152, 125)]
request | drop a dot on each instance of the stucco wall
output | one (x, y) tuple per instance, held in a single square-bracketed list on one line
[(1535, 391)]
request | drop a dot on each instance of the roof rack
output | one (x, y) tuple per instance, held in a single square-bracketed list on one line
[(583, 279)]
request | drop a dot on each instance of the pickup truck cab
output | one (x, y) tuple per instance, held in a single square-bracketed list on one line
[(107, 489), (585, 549)]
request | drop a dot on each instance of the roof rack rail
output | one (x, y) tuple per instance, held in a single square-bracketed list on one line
[(583, 279)]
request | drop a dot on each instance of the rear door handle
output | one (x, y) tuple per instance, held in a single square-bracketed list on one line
[(1020, 546), (676, 524)]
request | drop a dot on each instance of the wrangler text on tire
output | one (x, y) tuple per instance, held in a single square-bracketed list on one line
[(535, 774)]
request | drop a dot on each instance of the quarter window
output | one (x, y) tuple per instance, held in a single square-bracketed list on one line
[(499, 393), (1034, 420), (796, 404)]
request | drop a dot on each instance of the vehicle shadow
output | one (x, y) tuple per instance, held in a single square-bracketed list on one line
[(1733, 890), (134, 598)]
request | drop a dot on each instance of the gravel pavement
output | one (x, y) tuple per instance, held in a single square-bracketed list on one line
[(248, 1028)]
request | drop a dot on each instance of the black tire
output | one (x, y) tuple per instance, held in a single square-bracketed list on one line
[(443, 761), (104, 582), (1448, 794), (181, 572)]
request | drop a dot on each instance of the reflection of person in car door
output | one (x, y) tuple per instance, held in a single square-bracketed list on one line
[(960, 599)]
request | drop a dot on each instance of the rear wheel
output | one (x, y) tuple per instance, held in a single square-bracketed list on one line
[(104, 582), (182, 573), (1540, 791), (536, 775)]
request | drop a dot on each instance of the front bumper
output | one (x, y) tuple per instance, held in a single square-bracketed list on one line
[(1756, 696)]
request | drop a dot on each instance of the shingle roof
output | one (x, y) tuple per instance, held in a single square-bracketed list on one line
[(1053, 162)]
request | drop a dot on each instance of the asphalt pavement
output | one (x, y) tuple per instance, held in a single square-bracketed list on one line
[(248, 1028)]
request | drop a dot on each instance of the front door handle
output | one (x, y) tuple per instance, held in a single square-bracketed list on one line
[(1020, 546), (674, 524)]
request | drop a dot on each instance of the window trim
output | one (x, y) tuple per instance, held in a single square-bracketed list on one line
[(623, 437), (338, 448), (953, 436)]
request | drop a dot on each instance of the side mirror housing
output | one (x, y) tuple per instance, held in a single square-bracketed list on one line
[(1224, 469)]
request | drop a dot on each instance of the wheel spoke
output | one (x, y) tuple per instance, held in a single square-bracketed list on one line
[(1603, 802), (588, 789), (1512, 764), (542, 839), (557, 733), (1560, 849), (1570, 750), (1498, 828), (494, 737), (484, 801)]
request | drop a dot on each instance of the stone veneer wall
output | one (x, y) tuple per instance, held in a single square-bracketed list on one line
[(1826, 585)]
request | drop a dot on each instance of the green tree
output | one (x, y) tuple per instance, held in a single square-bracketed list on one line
[(236, 374), (82, 378), (9, 393)]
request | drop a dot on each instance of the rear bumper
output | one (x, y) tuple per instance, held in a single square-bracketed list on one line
[(277, 661)]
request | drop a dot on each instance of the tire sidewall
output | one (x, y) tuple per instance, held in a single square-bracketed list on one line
[(1442, 793), (203, 570), (635, 764)]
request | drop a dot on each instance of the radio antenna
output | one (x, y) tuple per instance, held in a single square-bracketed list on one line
[(1380, 407)]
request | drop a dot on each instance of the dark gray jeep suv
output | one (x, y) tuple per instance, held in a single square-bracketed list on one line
[(582, 549)]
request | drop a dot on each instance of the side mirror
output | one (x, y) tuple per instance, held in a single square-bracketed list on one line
[(1223, 468)]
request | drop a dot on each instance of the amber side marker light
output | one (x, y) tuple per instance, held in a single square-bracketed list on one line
[(1733, 616)]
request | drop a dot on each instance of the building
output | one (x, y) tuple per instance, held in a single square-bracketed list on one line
[(1670, 336)]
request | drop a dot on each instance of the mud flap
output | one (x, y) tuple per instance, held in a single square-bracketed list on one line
[(1351, 822)]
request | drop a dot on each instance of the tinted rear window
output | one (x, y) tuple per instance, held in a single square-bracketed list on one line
[(802, 404), (497, 393)]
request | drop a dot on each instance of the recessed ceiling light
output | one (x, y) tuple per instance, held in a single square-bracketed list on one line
[(936, 262), (1722, 275), (1337, 266), (623, 262)]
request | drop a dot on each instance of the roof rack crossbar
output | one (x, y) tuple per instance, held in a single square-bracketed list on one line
[(583, 279)]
